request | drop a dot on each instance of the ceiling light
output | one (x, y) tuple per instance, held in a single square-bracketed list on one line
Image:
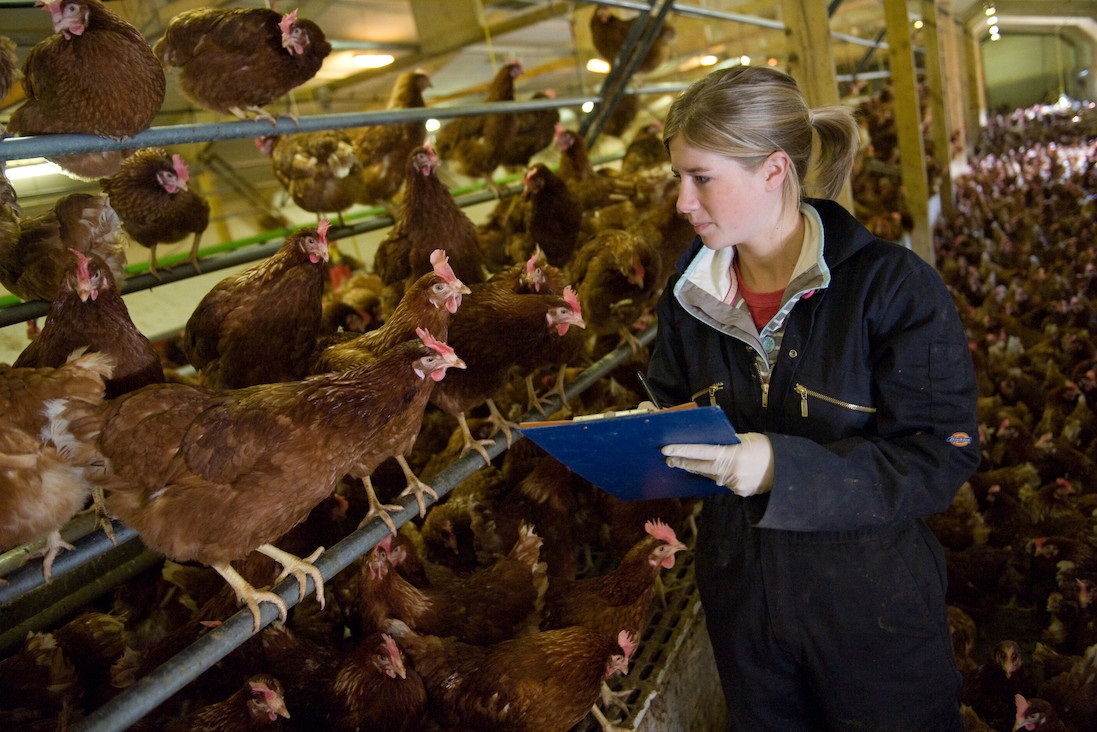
[(992, 20), (771, 62), (432, 125), (598, 66), (918, 25), (744, 60), (991, 10), (709, 60), (995, 30), (587, 107), (372, 60)]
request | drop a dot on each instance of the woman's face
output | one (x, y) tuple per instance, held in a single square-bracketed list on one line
[(726, 203)]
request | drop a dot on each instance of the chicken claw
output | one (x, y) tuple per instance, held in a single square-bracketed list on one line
[(502, 424), (416, 486), (472, 443), (54, 544), (378, 509), (250, 596), (302, 569)]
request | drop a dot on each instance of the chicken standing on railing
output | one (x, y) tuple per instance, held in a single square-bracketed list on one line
[(319, 170), (475, 146), (151, 196), (237, 60), (259, 458), (97, 76), (383, 150)]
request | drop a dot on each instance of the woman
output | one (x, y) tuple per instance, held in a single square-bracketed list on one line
[(841, 361)]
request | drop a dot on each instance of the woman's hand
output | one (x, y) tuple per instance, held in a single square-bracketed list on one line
[(745, 468)]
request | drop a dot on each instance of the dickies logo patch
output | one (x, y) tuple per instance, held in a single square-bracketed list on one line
[(959, 439)]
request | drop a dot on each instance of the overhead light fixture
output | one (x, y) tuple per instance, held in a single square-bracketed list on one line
[(918, 24), (771, 61), (598, 66), (744, 60), (995, 30), (432, 125), (33, 168), (992, 20), (991, 10), (587, 107), (708, 60), (372, 60)]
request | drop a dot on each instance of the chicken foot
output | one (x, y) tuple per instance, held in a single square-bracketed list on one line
[(49, 551), (193, 259), (302, 569), (378, 509), (250, 596), (471, 443), (415, 486), (502, 424), (604, 722)]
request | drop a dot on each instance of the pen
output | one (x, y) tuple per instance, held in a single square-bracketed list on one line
[(647, 388)]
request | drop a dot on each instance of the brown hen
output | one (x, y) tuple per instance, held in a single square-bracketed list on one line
[(33, 265), (545, 682), (47, 446), (259, 458), (236, 60), (618, 276), (260, 325), (498, 601), (619, 599), (9, 66), (426, 306), (498, 328), (319, 170), (90, 313), (428, 218), (258, 705), (475, 146), (96, 75), (150, 194), (609, 33), (383, 150)]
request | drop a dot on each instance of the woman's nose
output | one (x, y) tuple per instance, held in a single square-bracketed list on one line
[(686, 201)]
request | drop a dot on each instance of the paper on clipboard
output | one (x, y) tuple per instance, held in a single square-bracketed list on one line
[(620, 453)]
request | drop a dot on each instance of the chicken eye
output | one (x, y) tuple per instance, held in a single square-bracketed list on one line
[(71, 9)]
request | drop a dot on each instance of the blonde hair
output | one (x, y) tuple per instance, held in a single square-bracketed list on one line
[(750, 112)]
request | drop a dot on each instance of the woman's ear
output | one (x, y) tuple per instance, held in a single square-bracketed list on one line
[(774, 169)]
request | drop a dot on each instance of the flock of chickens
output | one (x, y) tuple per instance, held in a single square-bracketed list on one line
[(319, 394), (1021, 536)]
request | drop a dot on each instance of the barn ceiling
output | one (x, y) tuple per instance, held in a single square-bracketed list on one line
[(461, 42)]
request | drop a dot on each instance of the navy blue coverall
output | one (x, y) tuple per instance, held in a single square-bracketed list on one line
[(825, 597)]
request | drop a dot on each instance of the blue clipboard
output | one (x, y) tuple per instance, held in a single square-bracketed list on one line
[(620, 452)]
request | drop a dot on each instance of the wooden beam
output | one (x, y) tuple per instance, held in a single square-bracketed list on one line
[(936, 19), (908, 125), (811, 60)]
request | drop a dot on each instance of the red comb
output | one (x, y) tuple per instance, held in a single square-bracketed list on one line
[(287, 22), (661, 531), (531, 263), (82, 265), (180, 167), (440, 261), (572, 300), (322, 230), (627, 643), (433, 343), (391, 648)]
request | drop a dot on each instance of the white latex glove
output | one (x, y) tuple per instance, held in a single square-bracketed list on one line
[(745, 468)]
